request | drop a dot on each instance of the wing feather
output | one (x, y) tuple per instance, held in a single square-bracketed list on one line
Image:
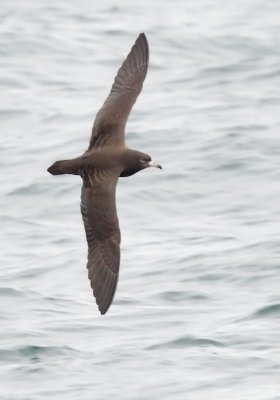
[(100, 219), (110, 121)]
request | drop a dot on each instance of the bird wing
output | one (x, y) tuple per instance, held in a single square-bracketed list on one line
[(110, 121), (98, 208)]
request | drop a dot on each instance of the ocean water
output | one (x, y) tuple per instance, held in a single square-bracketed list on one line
[(197, 312)]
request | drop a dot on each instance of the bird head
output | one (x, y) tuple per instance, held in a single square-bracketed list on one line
[(145, 161), (136, 161)]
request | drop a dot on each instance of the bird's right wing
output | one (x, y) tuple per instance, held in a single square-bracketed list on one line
[(98, 208), (110, 121)]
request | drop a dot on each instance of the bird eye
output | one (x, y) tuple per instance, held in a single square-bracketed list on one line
[(146, 159)]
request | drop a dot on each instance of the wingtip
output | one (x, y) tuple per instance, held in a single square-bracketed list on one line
[(103, 308), (104, 301), (142, 35), (143, 45)]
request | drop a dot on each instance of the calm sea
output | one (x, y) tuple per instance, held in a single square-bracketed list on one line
[(197, 312)]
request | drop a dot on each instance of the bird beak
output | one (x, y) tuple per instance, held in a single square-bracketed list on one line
[(152, 164)]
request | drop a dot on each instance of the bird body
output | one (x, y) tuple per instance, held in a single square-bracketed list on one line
[(106, 159), (119, 157)]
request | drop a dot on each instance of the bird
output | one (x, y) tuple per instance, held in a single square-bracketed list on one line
[(106, 159)]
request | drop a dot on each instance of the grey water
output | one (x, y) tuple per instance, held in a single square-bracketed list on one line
[(197, 312)]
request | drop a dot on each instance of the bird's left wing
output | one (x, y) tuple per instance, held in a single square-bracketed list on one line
[(110, 121), (98, 208)]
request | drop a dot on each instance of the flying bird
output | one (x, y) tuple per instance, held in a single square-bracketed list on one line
[(106, 159)]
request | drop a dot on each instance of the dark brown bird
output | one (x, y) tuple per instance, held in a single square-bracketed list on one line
[(106, 159)]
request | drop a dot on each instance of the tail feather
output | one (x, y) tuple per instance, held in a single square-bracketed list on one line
[(65, 167)]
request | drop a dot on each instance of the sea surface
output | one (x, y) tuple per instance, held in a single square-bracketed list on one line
[(197, 312)]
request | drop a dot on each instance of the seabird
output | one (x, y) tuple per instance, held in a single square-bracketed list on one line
[(106, 159)]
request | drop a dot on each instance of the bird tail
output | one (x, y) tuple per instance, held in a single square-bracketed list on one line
[(65, 167)]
